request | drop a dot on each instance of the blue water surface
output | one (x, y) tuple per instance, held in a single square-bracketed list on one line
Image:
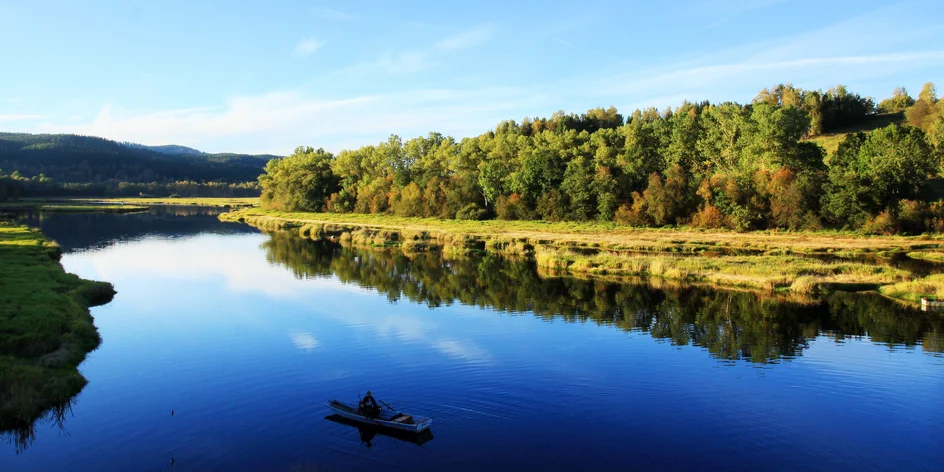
[(217, 356)]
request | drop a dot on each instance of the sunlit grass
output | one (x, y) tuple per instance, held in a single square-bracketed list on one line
[(927, 287), (801, 263), (613, 236)]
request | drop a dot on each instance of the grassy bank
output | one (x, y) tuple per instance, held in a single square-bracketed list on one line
[(215, 202), (814, 262), (69, 206), (45, 327)]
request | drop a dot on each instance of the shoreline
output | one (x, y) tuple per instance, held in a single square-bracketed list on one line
[(800, 263), (47, 329)]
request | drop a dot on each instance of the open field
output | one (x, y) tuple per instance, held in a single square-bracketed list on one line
[(814, 262), (45, 327)]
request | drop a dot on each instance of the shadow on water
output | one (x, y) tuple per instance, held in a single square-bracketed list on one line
[(729, 325), (369, 433)]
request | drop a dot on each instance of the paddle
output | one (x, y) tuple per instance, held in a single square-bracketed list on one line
[(388, 406)]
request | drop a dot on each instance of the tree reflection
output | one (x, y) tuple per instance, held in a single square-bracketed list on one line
[(730, 325)]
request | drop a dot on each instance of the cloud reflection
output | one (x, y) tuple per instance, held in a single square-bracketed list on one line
[(304, 341), (236, 261)]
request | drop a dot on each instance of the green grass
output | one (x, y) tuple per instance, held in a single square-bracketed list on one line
[(69, 206), (795, 262), (45, 327), (830, 142), (931, 286)]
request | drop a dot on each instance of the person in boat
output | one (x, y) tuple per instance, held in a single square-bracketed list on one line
[(368, 406)]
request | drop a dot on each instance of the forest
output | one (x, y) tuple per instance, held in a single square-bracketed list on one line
[(726, 165), (33, 165)]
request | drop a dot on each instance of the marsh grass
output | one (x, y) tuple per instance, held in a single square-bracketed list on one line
[(45, 327), (807, 263), (608, 235), (931, 286)]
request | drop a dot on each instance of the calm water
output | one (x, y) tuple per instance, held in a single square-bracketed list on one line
[(244, 336)]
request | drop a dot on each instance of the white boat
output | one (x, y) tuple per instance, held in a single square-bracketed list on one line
[(387, 418)]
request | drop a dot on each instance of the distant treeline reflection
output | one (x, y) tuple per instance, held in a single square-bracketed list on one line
[(731, 325)]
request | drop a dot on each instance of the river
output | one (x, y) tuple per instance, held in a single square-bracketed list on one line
[(223, 343)]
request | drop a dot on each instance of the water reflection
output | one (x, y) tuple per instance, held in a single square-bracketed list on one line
[(367, 434), (730, 325), (76, 232), (85, 231), (20, 430)]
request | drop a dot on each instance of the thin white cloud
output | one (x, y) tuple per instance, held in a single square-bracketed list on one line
[(405, 62), (714, 74), (14, 100), (279, 121), (466, 39), (307, 47), (7, 118), (332, 14)]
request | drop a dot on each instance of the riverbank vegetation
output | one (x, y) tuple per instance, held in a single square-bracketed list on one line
[(45, 329), (771, 261), (725, 165)]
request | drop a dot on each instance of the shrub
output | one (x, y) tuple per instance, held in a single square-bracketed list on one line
[(884, 223), (511, 207), (710, 217), (471, 212), (633, 215), (935, 221), (913, 216), (410, 201), (549, 205)]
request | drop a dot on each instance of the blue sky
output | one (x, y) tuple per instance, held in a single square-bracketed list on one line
[(270, 76)]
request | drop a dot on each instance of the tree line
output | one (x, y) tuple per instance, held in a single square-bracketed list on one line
[(742, 166), (15, 186)]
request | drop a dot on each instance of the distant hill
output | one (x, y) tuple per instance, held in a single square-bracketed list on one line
[(167, 148), (73, 158)]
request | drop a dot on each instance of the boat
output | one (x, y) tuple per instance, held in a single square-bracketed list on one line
[(386, 418)]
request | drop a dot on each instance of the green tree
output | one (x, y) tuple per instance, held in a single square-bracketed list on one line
[(300, 182)]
